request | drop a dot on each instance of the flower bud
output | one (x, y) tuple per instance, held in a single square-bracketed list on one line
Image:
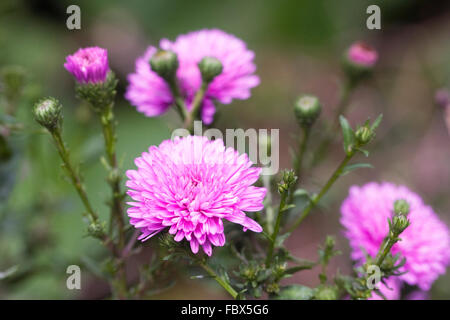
[(88, 65), (100, 96), (363, 135), (273, 288), (96, 230), (359, 61), (307, 109), (165, 64), (289, 178), (361, 54), (48, 113), (210, 68), (399, 223), (401, 207)]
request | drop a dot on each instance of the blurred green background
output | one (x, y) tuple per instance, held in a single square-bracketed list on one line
[(298, 46)]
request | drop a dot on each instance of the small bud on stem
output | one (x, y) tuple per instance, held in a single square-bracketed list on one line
[(48, 113), (210, 68), (307, 109)]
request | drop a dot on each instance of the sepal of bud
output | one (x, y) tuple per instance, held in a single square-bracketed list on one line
[(100, 96), (289, 179), (363, 135), (307, 109), (210, 68), (48, 113), (401, 206), (399, 223), (96, 229), (165, 64)]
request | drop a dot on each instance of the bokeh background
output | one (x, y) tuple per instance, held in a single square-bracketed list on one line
[(298, 45)]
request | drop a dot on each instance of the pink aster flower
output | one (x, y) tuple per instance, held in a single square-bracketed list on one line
[(425, 243), (189, 185), (88, 65), (362, 54), (152, 96)]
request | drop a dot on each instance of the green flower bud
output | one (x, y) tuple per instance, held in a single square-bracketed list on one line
[(210, 68), (165, 64), (100, 96), (307, 109), (96, 230), (289, 179), (273, 288), (48, 113), (363, 135), (399, 223), (401, 207)]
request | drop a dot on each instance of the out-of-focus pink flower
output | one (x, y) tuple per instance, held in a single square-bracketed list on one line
[(390, 292), (88, 65), (190, 185), (151, 96), (362, 54), (418, 295), (425, 243)]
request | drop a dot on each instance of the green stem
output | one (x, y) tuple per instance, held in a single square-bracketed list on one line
[(108, 127), (269, 209), (276, 229), (299, 160), (179, 101), (194, 113), (219, 279), (73, 175), (330, 133), (313, 202), (385, 248)]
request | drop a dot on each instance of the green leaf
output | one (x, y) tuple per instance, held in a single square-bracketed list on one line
[(348, 134), (285, 208), (299, 268), (296, 292), (280, 239), (349, 168), (376, 123), (5, 274), (301, 193), (363, 151)]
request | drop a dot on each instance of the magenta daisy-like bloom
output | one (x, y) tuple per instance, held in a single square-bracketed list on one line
[(88, 65), (361, 54), (189, 185), (425, 243), (151, 96)]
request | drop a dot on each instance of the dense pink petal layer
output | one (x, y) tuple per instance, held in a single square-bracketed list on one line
[(189, 185), (88, 65)]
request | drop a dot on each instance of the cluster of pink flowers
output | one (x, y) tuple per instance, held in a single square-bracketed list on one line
[(149, 93), (88, 65), (425, 243), (190, 185)]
